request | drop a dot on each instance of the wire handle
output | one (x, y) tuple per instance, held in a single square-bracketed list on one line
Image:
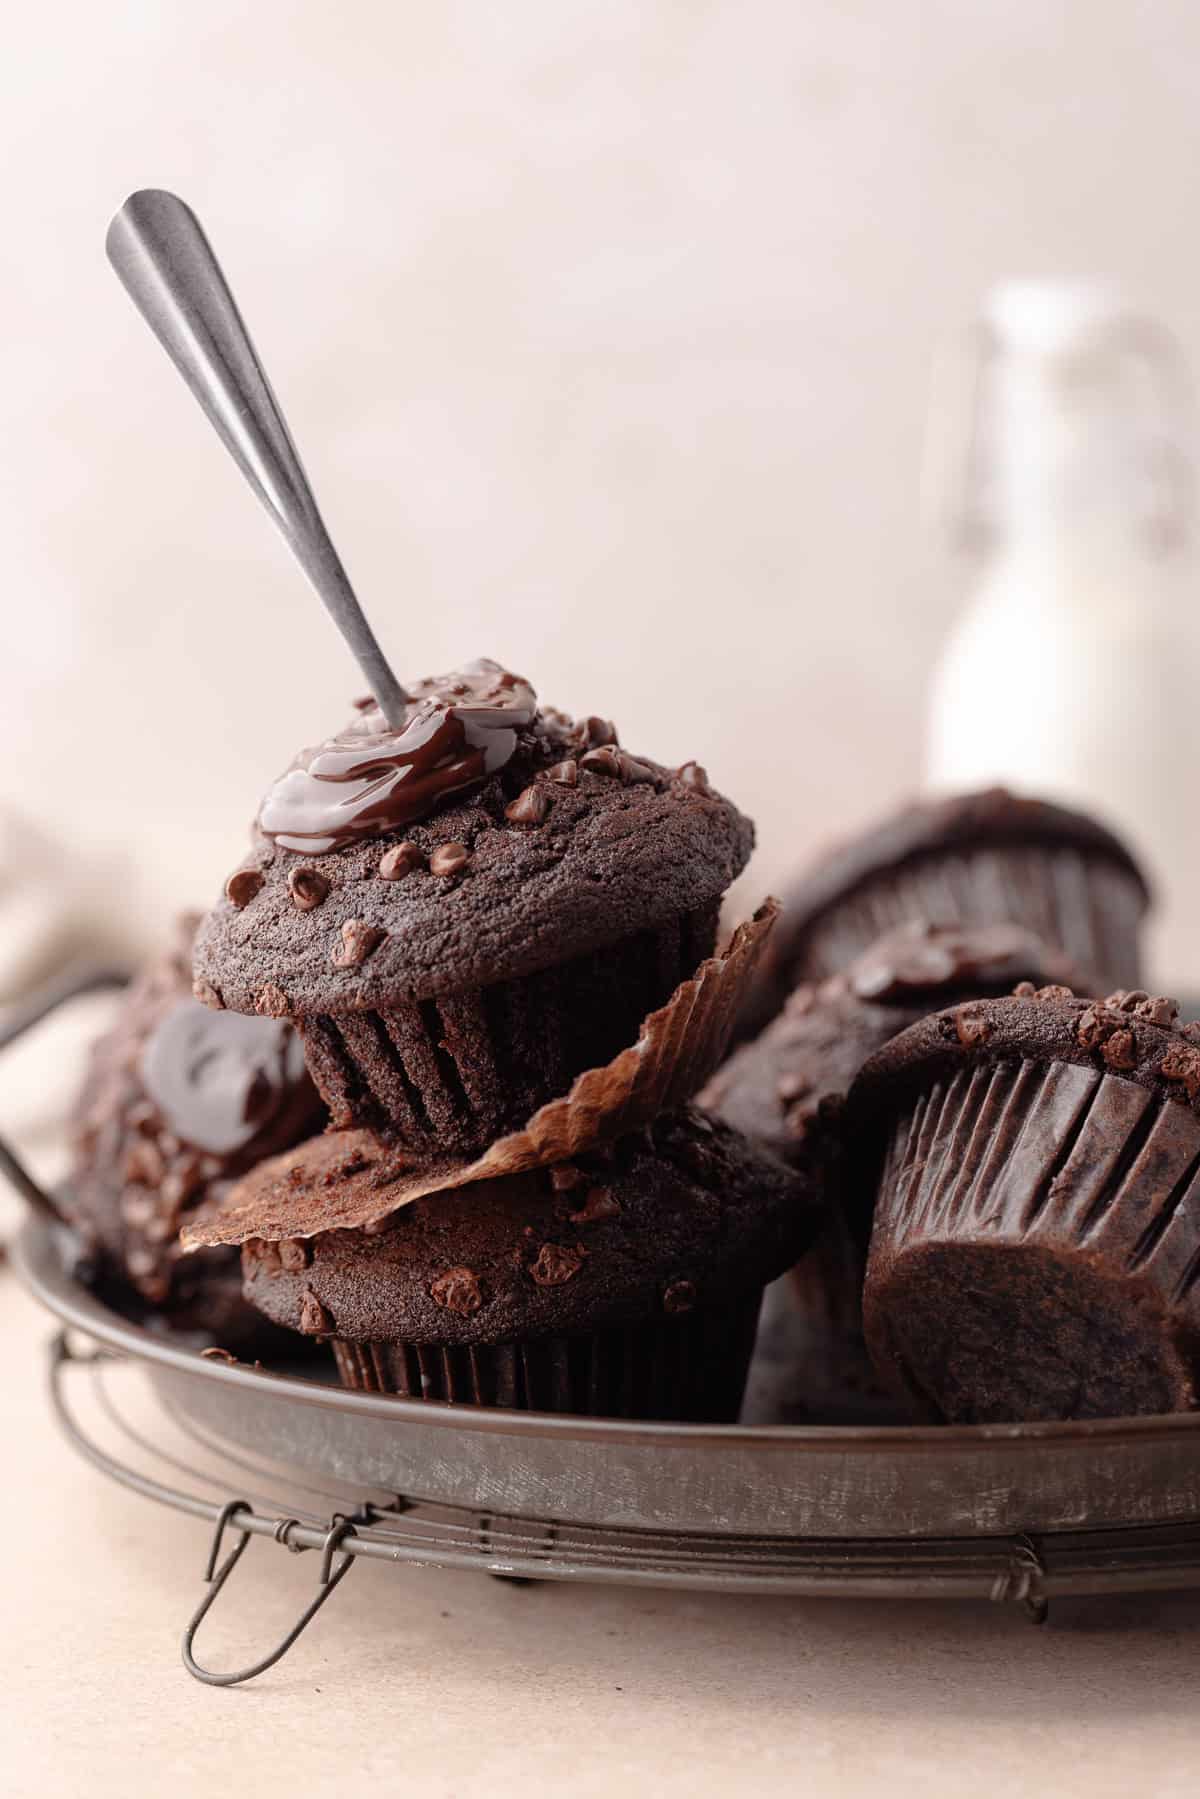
[(340, 1528)]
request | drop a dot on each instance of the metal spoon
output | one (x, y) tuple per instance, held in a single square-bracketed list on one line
[(157, 246)]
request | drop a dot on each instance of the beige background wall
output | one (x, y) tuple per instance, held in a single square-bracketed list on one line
[(605, 330)]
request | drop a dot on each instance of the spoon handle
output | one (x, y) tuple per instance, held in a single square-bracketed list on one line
[(166, 264)]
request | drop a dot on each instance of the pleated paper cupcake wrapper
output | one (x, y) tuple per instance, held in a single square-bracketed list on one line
[(691, 1368), (676, 1051), (1097, 1173), (1085, 905)]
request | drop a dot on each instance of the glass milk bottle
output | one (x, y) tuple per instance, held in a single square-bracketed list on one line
[(1074, 669)]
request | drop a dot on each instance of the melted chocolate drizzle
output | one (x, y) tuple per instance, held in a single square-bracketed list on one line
[(220, 1079), (368, 780)]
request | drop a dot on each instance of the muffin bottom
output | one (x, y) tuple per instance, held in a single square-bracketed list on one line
[(450, 1075), (691, 1368)]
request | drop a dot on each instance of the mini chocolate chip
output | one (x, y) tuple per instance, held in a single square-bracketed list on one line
[(604, 761), (315, 1321), (680, 1296), (1119, 1050), (272, 1002), (694, 776), (457, 1290), (593, 732), (530, 807), (556, 1263), (359, 940), (207, 994), (214, 1353), (449, 858), (564, 1176), (144, 1164), (1055, 991), (294, 1254), (1094, 1027), (242, 886), (793, 1085), (1126, 1000), (972, 1027), (565, 773), (1024, 990), (600, 1203), (307, 888), (401, 860), (633, 772), (1182, 1064)]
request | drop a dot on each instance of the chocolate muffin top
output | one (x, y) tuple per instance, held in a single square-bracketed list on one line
[(1131, 1034), (801, 1067), (683, 1216), (377, 874), (177, 1102), (963, 822)]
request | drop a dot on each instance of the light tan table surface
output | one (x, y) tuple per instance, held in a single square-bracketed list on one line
[(455, 1684)]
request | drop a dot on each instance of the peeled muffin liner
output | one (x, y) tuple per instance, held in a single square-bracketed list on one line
[(678, 1048)]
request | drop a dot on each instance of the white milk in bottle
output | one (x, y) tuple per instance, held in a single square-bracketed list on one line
[(1074, 670)]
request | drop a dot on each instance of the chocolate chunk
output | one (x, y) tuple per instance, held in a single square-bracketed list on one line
[(565, 773), (457, 1290), (605, 761), (449, 858), (1127, 1001), (531, 807), (556, 1263), (680, 1296), (633, 772), (1095, 1026), (242, 886), (271, 1001), (307, 888), (1119, 1050), (294, 1254), (692, 775), (1183, 1065), (564, 1176), (207, 994), (971, 1026), (1158, 1010), (359, 940), (600, 1203), (401, 860), (1024, 990), (315, 1321), (1054, 991)]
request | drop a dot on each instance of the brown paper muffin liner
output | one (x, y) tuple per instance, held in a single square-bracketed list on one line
[(687, 1369), (446, 1076), (676, 1051), (1081, 903), (1036, 1247)]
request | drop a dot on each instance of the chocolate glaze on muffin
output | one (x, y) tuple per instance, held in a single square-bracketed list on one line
[(977, 859), (626, 1282), (1036, 1247), (456, 949), (178, 1102)]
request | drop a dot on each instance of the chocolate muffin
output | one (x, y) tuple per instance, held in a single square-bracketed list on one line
[(787, 1089), (977, 859), (1036, 1245), (178, 1102), (464, 915), (624, 1284)]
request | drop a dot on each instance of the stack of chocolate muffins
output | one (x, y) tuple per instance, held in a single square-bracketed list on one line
[(467, 923)]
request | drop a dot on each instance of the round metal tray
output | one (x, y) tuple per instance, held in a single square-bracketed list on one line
[(1002, 1512)]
